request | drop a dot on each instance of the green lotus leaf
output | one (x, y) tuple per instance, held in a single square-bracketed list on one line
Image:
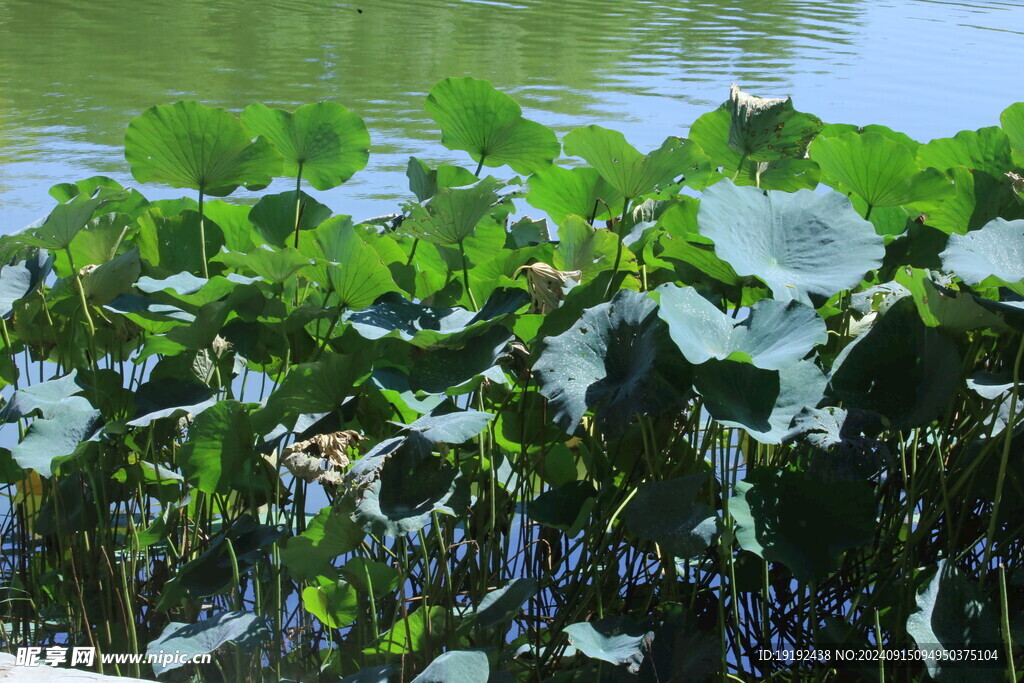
[(995, 250), (479, 119), (336, 605), (276, 265), (107, 280), (324, 143), (947, 308), (832, 130), (166, 242), (616, 640), (432, 326), (775, 335), (566, 507), (987, 149), (1012, 122), (953, 614), (456, 665), (397, 487), (274, 216), (170, 397), (329, 534), (412, 633), (247, 631), (629, 172), (51, 440), (581, 247), (787, 175), (320, 386), (799, 244), (190, 145), (451, 215), (129, 202), (762, 402), (900, 368), (618, 360), (460, 370), (801, 522), (370, 577), (502, 605), (219, 442), (349, 267), (765, 129), (561, 192), (64, 222), (425, 181), (233, 220), (881, 171), (672, 514)]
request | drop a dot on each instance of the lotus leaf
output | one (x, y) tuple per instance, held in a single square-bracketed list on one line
[(335, 604), (456, 665), (775, 335), (477, 118), (805, 524), (616, 640), (411, 633), (49, 441), (618, 360), (671, 514), (171, 397), (562, 192), (244, 629), (329, 534), (881, 171), (324, 143), (764, 129), (190, 145), (502, 605), (629, 172), (451, 215), (799, 244), (274, 216), (995, 250), (425, 181), (952, 614)]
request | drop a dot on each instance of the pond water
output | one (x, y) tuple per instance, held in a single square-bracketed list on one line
[(72, 74)]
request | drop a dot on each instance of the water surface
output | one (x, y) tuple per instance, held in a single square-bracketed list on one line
[(72, 74)]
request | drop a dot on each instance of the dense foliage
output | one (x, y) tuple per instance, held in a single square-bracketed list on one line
[(755, 389)]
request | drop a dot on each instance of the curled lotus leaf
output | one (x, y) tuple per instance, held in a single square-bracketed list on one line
[(767, 128), (775, 335)]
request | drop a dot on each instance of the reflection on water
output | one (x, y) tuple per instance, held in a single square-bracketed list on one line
[(72, 74)]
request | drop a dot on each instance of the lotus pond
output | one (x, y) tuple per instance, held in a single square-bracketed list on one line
[(755, 389)]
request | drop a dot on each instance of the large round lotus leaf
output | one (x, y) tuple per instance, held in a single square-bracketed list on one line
[(456, 665), (986, 149), (997, 249), (952, 613), (624, 168), (562, 192), (900, 368), (672, 514), (397, 487), (191, 145), (618, 360), (451, 215), (323, 142), (487, 123), (774, 335), (762, 402), (799, 244), (274, 216), (617, 640), (883, 172), (803, 523)]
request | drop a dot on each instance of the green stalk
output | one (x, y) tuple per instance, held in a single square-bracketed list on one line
[(465, 275), (618, 249), (81, 292), (480, 166), (202, 237), (298, 203)]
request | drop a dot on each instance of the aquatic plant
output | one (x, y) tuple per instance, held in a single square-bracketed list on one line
[(754, 390)]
